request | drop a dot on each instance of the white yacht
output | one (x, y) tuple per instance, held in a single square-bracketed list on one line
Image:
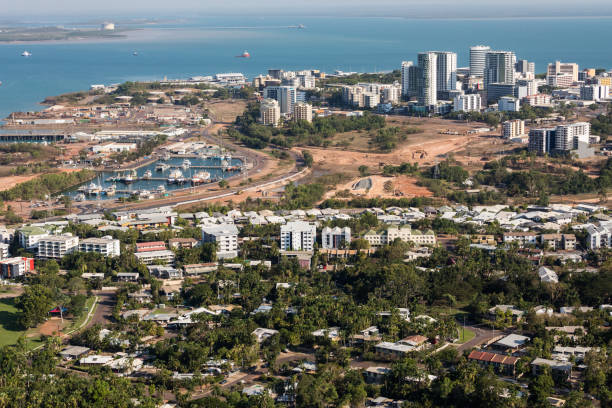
[(186, 164), (147, 175), (80, 197), (26, 54), (94, 189)]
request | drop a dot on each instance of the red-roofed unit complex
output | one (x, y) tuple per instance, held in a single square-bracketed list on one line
[(151, 246), (501, 363)]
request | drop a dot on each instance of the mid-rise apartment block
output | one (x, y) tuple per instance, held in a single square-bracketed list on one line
[(594, 92), (513, 128), (558, 67), (56, 246), (15, 267), (30, 235), (269, 112), (509, 104), (106, 246), (563, 138), (467, 103), (298, 236), (405, 233), (226, 238), (334, 238), (302, 111)]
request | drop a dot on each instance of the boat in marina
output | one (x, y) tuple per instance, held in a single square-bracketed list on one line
[(186, 164), (224, 164), (162, 167), (176, 176), (93, 189), (110, 191), (161, 189), (200, 177), (80, 197), (147, 175), (167, 157)]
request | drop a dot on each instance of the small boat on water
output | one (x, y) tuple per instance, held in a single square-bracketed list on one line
[(162, 167), (200, 177), (161, 189), (167, 157), (245, 54), (224, 164), (147, 175), (80, 197), (26, 54), (186, 164)]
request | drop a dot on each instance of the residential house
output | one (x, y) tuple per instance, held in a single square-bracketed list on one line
[(262, 334), (547, 275)]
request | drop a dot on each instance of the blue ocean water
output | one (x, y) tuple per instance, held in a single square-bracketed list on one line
[(209, 45)]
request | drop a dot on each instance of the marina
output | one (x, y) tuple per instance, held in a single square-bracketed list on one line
[(172, 172)]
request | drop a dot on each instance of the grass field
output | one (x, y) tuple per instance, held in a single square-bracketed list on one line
[(9, 328), (465, 335)]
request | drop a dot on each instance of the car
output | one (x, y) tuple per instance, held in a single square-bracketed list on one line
[(223, 382)]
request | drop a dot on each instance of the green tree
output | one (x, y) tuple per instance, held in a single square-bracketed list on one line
[(34, 304)]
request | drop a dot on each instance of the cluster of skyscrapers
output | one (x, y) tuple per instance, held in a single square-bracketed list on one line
[(434, 77), (491, 74)]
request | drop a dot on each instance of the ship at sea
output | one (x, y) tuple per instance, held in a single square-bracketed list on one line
[(245, 54), (26, 54)]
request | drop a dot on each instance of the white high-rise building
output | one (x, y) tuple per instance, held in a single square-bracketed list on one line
[(298, 236), (568, 137), (428, 62), (406, 83), (269, 112), (286, 96), (302, 111), (499, 68), (446, 68), (477, 60), (467, 103)]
